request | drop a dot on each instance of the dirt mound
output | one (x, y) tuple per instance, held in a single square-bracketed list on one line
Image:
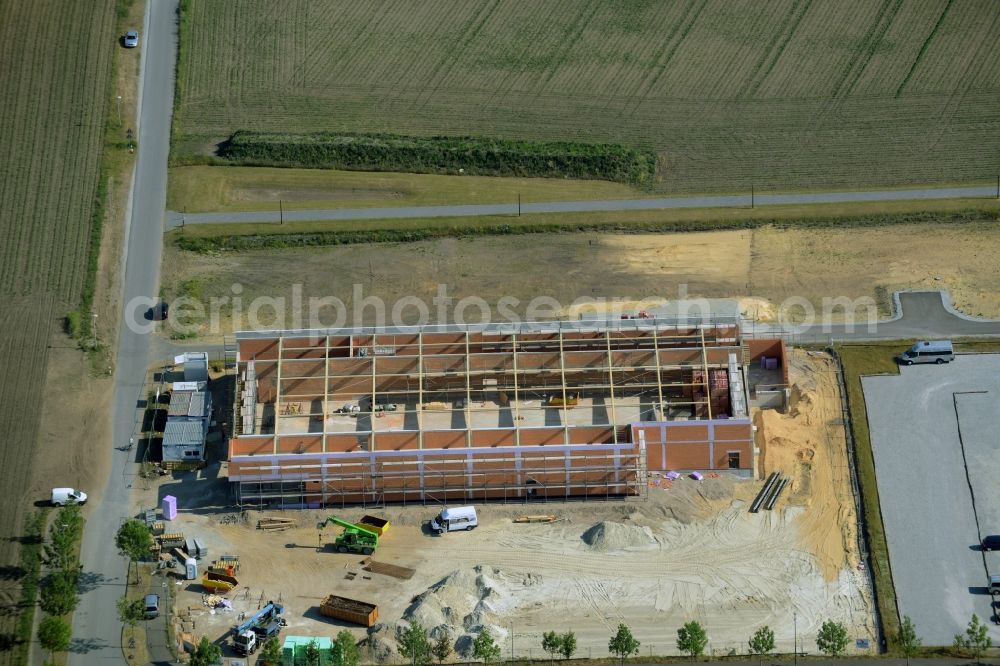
[(608, 535), (464, 602), (808, 445)]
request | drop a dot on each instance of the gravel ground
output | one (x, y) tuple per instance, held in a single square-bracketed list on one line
[(919, 422)]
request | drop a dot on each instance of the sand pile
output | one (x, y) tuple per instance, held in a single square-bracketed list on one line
[(458, 607), (808, 445), (607, 535)]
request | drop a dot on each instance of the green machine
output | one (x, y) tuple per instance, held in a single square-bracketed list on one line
[(354, 538)]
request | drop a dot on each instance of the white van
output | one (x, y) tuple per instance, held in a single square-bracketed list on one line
[(933, 351), (62, 496), (994, 587), (452, 520)]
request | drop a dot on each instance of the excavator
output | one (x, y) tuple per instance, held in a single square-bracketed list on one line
[(354, 538)]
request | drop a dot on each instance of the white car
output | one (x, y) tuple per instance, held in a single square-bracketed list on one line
[(131, 39), (63, 496)]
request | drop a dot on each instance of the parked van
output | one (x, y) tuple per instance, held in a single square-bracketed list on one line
[(63, 496), (452, 520), (994, 585), (934, 351)]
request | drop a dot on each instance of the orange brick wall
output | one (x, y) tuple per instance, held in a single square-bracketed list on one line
[(696, 445)]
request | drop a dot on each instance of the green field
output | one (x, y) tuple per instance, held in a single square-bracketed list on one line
[(207, 189), (784, 94), (57, 60)]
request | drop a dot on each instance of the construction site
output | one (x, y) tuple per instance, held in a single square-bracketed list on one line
[(523, 411), (349, 444)]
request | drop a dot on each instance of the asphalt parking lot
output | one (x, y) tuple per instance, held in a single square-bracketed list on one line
[(928, 426)]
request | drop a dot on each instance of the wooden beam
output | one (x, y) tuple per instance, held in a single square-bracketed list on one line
[(659, 377), (420, 390), (468, 394), (326, 389), (277, 397), (611, 387), (371, 417), (562, 380), (517, 401), (704, 365)]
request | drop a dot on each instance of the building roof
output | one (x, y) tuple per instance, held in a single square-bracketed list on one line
[(192, 404), (182, 435)]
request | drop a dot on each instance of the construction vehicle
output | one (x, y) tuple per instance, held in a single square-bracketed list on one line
[(264, 624), (354, 538)]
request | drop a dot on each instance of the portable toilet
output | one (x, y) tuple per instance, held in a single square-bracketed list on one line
[(191, 568), (169, 507)]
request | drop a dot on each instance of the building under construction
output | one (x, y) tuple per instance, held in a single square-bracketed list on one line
[(509, 412)]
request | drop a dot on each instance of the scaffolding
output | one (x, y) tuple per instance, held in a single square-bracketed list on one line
[(441, 413)]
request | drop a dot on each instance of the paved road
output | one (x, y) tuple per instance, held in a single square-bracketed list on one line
[(734, 201), (96, 631)]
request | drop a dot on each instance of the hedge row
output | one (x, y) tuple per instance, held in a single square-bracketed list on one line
[(441, 154), (241, 243)]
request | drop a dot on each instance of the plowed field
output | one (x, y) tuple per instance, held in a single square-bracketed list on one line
[(784, 94)]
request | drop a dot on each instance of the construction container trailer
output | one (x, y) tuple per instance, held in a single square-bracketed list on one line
[(378, 525), (349, 610)]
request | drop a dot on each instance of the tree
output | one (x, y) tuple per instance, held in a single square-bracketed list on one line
[(442, 647), (415, 646), (567, 644), (312, 654), (691, 638), (485, 648), (907, 640), (350, 655), (64, 534), (131, 612), (623, 644), (54, 634), (976, 637), (205, 653), (270, 654), (832, 638), (552, 643), (762, 642), (134, 541), (58, 593)]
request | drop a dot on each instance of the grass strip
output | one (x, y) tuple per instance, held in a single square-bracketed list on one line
[(443, 154), (30, 565), (858, 361), (435, 229), (78, 322)]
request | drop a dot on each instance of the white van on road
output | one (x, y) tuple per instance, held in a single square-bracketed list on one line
[(63, 496), (453, 520), (933, 351)]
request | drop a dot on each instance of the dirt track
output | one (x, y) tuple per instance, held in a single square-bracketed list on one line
[(771, 265)]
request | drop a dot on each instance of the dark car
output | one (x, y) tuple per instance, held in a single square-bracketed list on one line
[(991, 542), (158, 312)]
